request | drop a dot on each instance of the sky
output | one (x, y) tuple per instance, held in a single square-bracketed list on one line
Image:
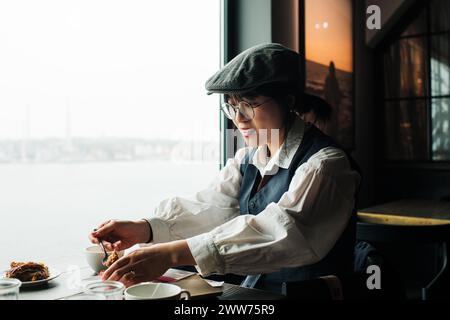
[(119, 68), (328, 36)]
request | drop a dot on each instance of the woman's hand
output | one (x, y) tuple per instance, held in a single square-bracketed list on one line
[(120, 235), (147, 264)]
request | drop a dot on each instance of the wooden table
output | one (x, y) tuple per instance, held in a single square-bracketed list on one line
[(75, 274), (408, 212), (409, 222)]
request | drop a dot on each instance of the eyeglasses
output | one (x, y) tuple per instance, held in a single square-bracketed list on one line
[(244, 108)]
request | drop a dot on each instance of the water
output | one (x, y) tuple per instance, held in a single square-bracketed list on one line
[(47, 210)]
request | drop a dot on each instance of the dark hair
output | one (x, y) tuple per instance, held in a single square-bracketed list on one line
[(280, 91)]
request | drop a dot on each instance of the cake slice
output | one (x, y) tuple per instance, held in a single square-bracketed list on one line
[(28, 271)]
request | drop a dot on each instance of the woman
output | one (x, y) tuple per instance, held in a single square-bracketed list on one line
[(281, 210)]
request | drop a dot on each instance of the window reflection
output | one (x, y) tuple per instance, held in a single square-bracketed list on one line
[(406, 130), (441, 129), (405, 68), (329, 63), (440, 86), (417, 87), (440, 65)]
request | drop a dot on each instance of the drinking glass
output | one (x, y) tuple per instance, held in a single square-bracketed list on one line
[(9, 289), (111, 290)]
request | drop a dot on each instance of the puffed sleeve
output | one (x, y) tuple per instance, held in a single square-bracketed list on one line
[(180, 218), (300, 229)]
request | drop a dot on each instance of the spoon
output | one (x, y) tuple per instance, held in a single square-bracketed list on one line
[(105, 258)]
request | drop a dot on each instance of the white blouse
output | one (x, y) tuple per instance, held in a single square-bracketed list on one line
[(300, 229)]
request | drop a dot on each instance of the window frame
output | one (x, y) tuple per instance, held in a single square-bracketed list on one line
[(396, 34), (226, 31)]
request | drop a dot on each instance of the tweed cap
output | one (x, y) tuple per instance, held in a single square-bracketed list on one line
[(254, 67)]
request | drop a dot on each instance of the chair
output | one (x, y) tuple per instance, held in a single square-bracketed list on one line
[(354, 286)]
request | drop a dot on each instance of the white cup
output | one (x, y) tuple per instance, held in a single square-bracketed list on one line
[(156, 291), (94, 256)]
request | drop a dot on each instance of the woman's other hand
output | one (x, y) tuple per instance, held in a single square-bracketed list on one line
[(149, 263), (120, 235)]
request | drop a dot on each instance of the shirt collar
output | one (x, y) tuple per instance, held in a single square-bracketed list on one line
[(283, 157)]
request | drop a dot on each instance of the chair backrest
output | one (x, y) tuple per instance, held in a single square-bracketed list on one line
[(392, 286)]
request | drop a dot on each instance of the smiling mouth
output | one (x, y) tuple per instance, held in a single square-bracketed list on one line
[(247, 132)]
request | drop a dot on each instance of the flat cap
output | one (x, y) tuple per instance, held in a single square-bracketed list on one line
[(254, 67)]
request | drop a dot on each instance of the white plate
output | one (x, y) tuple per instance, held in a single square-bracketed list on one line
[(54, 273)]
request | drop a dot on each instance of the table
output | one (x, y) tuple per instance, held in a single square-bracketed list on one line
[(408, 212), (75, 274), (410, 221)]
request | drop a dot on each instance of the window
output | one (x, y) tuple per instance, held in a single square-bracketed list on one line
[(417, 88), (329, 64), (103, 113)]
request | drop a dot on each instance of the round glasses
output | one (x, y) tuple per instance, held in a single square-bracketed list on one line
[(243, 107)]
